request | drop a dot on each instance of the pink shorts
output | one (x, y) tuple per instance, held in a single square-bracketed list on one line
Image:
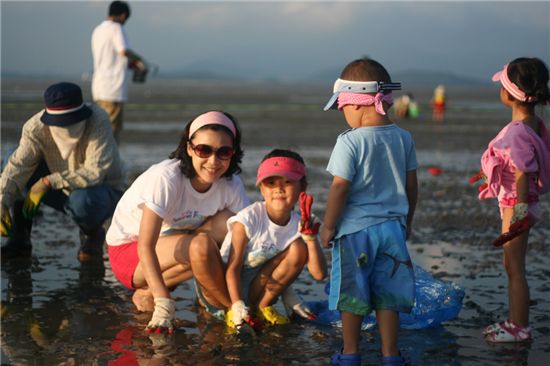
[(124, 260)]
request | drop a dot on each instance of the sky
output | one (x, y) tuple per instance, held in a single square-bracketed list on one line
[(281, 40)]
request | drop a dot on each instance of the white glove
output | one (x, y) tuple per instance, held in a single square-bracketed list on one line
[(520, 212), (163, 316), (240, 312), (293, 303)]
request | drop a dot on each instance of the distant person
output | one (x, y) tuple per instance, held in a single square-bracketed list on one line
[(369, 211), (406, 106), (438, 104), (67, 158), (112, 57), (169, 225), (268, 244), (516, 167)]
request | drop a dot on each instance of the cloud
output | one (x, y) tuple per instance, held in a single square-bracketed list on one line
[(319, 17), (300, 16), (193, 16)]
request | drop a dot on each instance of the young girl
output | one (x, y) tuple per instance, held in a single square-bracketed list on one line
[(168, 225), (267, 244), (516, 166)]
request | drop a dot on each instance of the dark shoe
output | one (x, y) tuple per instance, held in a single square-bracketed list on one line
[(19, 244), (91, 246), (352, 359), (395, 361)]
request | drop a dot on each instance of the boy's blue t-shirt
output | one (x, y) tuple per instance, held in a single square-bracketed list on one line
[(376, 161)]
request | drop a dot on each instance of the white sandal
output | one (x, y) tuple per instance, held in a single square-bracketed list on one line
[(493, 328), (509, 333)]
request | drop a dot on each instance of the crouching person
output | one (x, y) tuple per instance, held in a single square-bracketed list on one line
[(67, 158)]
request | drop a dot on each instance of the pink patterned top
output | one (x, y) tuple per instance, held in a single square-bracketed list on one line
[(517, 146)]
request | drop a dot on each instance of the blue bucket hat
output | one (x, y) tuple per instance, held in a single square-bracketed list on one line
[(64, 105)]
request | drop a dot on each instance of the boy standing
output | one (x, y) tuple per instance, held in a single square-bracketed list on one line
[(369, 211)]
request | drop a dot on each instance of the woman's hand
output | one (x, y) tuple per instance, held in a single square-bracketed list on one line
[(164, 316)]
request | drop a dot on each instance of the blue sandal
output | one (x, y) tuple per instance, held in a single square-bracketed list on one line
[(395, 361), (352, 359)]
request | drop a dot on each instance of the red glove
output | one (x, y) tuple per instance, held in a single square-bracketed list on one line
[(480, 175), (309, 224), (519, 224)]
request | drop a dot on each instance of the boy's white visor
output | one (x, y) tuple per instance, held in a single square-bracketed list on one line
[(349, 86)]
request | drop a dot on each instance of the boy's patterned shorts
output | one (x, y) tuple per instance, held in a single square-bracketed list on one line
[(372, 269)]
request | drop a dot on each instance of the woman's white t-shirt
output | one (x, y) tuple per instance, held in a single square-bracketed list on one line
[(266, 239), (165, 190)]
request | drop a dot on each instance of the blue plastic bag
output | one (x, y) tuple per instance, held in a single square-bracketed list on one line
[(436, 301)]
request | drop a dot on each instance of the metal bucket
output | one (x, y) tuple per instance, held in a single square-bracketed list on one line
[(140, 71), (139, 76)]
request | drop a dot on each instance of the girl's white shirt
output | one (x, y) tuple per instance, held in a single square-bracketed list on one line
[(266, 239), (165, 190)]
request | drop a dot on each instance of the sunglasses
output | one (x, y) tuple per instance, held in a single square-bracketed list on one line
[(205, 151)]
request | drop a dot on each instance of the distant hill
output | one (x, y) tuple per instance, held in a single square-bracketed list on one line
[(432, 78), (420, 78), (213, 70)]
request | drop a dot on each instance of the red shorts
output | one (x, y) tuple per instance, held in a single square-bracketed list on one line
[(124, 260)]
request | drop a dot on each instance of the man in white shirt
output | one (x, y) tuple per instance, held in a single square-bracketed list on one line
[(112, 57)]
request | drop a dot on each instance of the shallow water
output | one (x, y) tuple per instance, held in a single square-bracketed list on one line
[(56, 311)]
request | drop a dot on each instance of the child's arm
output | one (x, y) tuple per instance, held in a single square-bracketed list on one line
[(412, 197), (520, 221), (309, 227), (336, 201), (239, 241), (522, 186), (316, 261), (521, 209)]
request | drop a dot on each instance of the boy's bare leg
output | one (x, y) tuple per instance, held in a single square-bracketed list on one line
[(388, 325), (351, 331)]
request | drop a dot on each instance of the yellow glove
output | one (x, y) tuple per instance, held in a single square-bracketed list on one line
[(34, 197), (6, 224)]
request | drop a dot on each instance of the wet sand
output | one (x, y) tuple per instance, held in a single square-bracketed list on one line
[(57, 311)]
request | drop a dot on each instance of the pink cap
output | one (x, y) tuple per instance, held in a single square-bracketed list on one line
[(510, 87), (212, 118), (281, 167)]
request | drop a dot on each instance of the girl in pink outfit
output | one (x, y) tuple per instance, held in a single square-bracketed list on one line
[(516, 166)]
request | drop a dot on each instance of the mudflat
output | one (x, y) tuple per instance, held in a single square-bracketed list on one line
[(57, 311)]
